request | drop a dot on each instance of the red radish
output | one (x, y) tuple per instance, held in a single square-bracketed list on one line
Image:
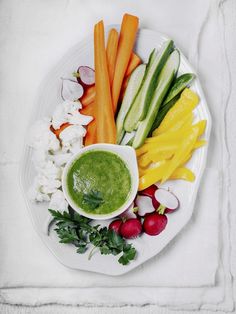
[(154, 224), (129, 213), (150, 191), (131, 228), (115, 225), (71, 90), (169, 202), (85, 75), (144, 204)]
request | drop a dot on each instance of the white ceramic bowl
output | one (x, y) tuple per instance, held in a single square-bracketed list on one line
[(127, 154)]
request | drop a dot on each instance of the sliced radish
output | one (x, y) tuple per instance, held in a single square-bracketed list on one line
[(144, 204), (129, 213), (71, 90), (154, 224), (85, 75), (115, 225), (168, 201), (150, 191), (131, 228)]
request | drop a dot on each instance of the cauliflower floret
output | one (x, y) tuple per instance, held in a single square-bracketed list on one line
[(51, 171), (35, 193), (79, 119), (60, 158), (39, 158), (72, 137), (58, 201), (42, 138), (63, 112)]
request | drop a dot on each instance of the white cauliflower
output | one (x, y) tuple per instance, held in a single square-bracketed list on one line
[(58, 201), (42, 138), (63, 112), (35, 193), (79, 119), (72, 138), (60, 158)]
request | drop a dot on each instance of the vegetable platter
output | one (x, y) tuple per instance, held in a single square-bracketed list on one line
[(146, 96)]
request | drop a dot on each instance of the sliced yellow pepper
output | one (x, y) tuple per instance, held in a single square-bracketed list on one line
[(200, 143), (152, 175), (184, 174), (183, 123), (144, 160), (201, 127), (183, 151), (186, 103)]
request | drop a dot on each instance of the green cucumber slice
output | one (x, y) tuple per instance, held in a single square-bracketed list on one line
[(140, 106), (179, 85), (132, 89), (165, 79)]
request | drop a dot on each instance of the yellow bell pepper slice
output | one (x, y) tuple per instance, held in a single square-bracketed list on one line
[(144, 160), (183, 123), (201, 127), (152, 175), (183, 151), (184, 174), (200, 143), (185, 104)]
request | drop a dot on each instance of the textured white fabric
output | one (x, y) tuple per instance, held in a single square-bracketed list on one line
[(197, 29)]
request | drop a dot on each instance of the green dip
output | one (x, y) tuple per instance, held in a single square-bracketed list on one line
[(99, 182)]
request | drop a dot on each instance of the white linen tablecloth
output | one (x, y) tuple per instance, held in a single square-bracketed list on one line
[(198, 29)]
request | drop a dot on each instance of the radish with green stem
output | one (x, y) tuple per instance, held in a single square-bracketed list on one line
[(85, 75), (167, 200), (154, 224), (131, 228)]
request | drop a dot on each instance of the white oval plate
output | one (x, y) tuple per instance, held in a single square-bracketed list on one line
[(147, 246)]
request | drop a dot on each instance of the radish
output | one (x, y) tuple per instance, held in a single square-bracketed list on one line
[(150, 191), (168, 201), (115, 225), (154, 224), (71, 90), (129, 213), (85, 75), (144, 204), (131, 228)]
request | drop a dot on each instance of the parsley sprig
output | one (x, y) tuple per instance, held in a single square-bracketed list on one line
[(75, 229), (94, 199)]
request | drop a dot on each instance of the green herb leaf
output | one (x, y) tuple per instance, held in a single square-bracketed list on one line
[(93, 199), (75, 229)]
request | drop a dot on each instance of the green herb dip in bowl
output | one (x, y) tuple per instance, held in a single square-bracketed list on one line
[(101, 181)]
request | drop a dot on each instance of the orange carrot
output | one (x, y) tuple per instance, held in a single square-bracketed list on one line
[(89, 93), (133, 63), (58, 131), (112, 44), (90, 137), (127, 38), (104, 117), (88, 96), (88, 110)]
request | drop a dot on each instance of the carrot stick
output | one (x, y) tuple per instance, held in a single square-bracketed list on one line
[(90, 137), (133, 63), (88, 110), (112, 44), (88, 96), (104, 117), (127, 37)]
